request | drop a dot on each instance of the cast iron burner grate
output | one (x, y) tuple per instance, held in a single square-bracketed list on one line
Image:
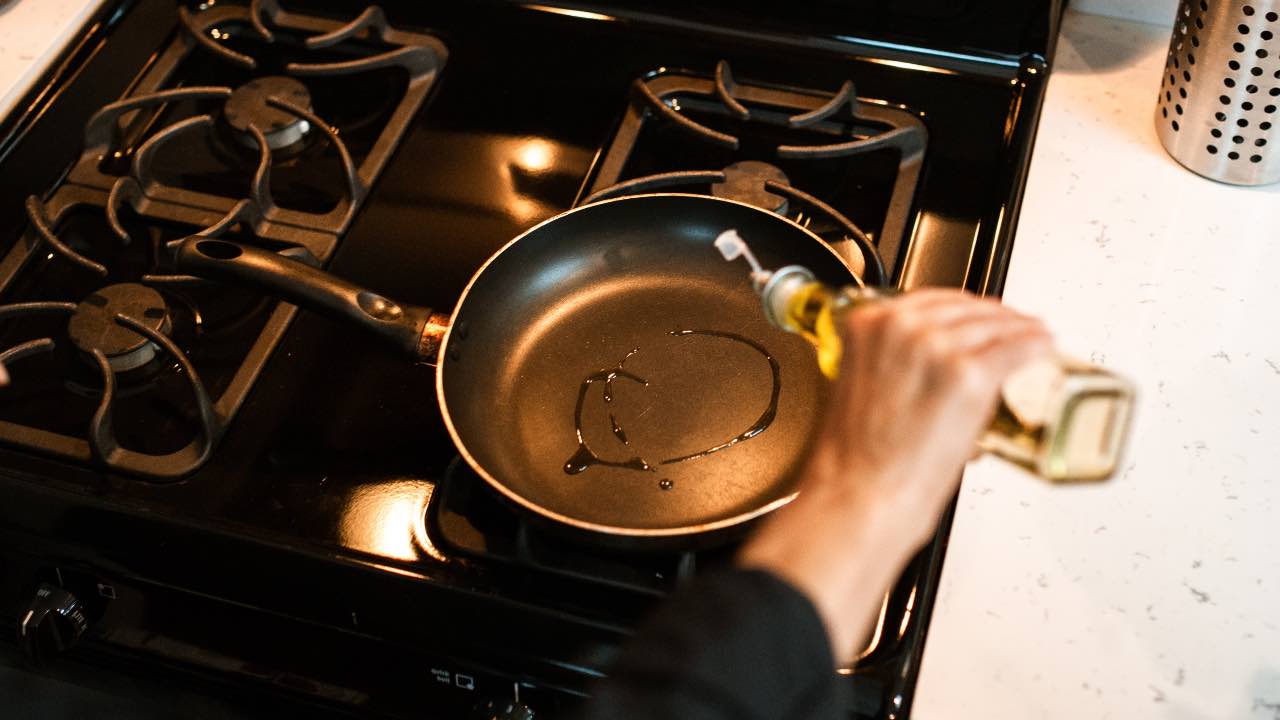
[(193, 150), (768, 143), (302, 94), (118, 343), (147, 340)]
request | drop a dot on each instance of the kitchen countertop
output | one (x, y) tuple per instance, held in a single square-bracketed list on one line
[(1156, 595), (32, 32), (1151, 11)]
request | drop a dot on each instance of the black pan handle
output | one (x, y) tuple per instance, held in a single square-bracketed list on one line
[(414, 330)]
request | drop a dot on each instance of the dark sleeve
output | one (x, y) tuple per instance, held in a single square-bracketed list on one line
[(742, 644)]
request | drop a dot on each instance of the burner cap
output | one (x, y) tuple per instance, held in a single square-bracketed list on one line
[(248, 105), (744, 182), (93, 325)]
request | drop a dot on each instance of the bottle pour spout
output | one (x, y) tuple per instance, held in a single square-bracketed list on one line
[(732, 246), (775, 287)]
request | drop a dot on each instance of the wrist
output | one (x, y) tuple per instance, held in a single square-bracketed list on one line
[(897, 503), (877, 500)]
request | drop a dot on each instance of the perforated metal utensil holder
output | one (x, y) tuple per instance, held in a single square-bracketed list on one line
[(1217, 112)]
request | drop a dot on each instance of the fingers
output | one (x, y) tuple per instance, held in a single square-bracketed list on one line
[(972, 333), (4, 376), (924, 312), (933, 298), (949, 348), (1014, 350), (977, 357), (939, 308), (941, 324)]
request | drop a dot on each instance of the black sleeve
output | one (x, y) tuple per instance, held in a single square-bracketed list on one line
[(742, 644)]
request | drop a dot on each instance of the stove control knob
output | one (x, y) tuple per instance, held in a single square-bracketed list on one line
[(503, 710), (52, 623)]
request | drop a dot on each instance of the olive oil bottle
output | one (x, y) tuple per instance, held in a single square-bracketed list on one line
[(1064, 420)]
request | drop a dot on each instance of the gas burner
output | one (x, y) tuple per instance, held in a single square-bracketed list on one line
[(747, 181), (692, 116), (253, 108), (94, 327), (249, 106), (124, 327), (121, 328), (314, 79), (854, 246)]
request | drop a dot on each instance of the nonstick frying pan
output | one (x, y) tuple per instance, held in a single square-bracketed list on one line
[(605, 370)]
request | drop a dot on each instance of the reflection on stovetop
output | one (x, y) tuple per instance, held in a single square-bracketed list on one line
[(472, 522)]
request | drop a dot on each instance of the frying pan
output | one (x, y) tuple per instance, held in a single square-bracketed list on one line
[(606, 370)]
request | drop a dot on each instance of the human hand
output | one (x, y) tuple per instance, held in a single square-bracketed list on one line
[(919, 383), (918, 387), (4, 376)]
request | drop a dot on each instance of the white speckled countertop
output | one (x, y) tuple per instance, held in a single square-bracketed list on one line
[(1150, 11), (1157, 595), (32, 32)]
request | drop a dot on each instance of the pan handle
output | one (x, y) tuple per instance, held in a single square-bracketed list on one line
[(414, 330)]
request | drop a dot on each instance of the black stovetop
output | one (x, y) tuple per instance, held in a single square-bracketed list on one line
[(332, 546)]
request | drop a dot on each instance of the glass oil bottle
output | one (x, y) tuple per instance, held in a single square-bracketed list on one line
[(1064, 420)]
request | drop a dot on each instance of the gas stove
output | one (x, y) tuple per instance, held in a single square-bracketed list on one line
[(206, 481)]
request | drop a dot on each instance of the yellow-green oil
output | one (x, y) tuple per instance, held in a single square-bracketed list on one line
[(814, 311)]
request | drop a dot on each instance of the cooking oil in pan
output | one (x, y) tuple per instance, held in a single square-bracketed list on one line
[(584, 457), (766, 417), (1064, 420)]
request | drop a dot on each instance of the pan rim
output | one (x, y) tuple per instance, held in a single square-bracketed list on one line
[(548, 513)]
